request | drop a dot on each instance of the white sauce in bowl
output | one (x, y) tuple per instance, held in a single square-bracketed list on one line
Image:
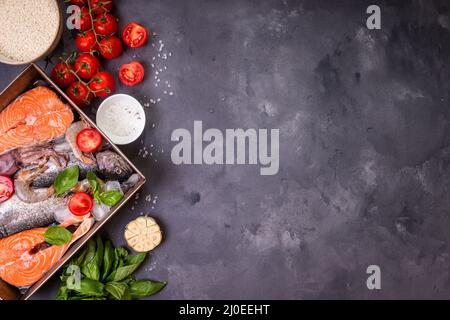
[(122, 118)]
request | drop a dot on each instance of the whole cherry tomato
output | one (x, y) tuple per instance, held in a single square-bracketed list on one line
[(111, 48), (131, 74), (86, 65), (101, 6), (79, 94), (85, 19), (86, 42), (62, 75), (105, 24), (79, 3), (102, 84), (134, 35)]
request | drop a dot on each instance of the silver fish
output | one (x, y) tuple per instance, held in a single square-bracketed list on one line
[(17, 216)]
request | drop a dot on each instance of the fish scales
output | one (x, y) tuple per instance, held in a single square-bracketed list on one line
[(16, 215)]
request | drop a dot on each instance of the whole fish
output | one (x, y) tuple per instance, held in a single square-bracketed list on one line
[(48, 177), (108, 165), (16, 215)]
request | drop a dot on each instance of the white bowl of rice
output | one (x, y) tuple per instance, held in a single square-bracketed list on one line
[(29, 30)]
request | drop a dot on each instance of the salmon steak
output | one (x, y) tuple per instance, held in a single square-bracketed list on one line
[(35, 117), (25, 257)]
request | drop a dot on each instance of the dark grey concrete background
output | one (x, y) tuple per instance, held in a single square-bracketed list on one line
[(365, 148)]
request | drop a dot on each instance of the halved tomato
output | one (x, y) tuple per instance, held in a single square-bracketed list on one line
[(132, 73), (89, 140), (80, 203), (6, 188), (134, 35)]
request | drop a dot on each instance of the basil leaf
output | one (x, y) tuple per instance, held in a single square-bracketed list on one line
[(145, 288), (118, 290), (79, 258), (130, 266), (90, 252), (57, 236), (63, 293), (66, 180), (111, 198), (91, 287), (136, 259), (93, 181), (108, 260), (92, 268)]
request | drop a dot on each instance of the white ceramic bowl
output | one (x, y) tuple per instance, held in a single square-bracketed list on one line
[(122, 118)]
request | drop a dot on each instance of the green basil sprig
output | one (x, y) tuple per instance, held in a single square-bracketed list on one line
[(57, 236), (106, 273), (110, 198)]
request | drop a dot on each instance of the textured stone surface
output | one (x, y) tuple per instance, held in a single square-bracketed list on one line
[(365, 154)]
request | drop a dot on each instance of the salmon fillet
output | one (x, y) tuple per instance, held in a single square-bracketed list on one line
[(22, 264), (35, 117)]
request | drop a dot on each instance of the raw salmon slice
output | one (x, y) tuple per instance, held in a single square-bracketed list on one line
[(22, 263), (36, 116)]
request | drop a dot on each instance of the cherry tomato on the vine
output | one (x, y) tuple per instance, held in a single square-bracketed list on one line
[(85, 19), (86, 65), (101, 6), (62, 75), (105, 24), (86, 42), (110, 48), (79, 3), (79, 94), (102, 84)]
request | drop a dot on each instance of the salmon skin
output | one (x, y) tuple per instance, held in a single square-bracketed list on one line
[(35, 117), (25, 257)]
